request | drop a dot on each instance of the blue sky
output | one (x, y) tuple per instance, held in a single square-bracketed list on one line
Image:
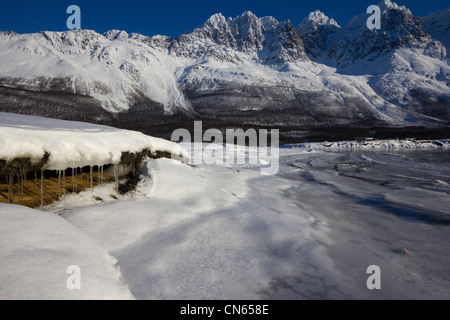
[(174, 17)]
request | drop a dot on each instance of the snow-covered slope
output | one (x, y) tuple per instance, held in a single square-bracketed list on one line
[(114, 69), (36, 252), (237, 71)]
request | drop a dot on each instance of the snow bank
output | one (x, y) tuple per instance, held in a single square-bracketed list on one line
[(72, 144), (210, 232), (36, 250)]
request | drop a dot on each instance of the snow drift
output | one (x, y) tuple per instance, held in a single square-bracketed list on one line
[(73, 144), (36, 250)]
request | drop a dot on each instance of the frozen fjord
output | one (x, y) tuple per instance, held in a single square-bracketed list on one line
[(310, 232)]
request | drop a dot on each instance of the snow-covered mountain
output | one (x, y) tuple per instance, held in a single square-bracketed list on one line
[(263, 40), (243, 71), (318, 33), (400, 29), (112, 68), (409, 68), (438, 26)]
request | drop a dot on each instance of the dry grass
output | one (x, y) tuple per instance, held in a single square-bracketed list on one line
[(30, 195)]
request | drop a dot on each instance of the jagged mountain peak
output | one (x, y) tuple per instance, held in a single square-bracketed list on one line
[(72, 42), (386, 5), (244, 37), (78, 34), (248, 15), (116, 35), (248, 31), (318, 32), (399, 29), (438, 26), (269, 22), (391, 13), (216, 21), (319, 18), (245, 22), (6, 32)]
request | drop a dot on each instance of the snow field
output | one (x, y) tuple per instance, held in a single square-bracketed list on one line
[(207, 233), (36, 250)]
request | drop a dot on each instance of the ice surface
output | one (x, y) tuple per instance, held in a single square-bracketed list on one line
[(226, 232)]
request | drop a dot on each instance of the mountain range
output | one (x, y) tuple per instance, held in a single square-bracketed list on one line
[(315, 81)]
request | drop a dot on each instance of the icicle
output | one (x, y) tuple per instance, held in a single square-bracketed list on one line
[(64, 184), (6, 178), (76, 180), (23, 179), (21, 183), (91, 176), (42, 188), (19, 191), (73, 180), (59, 184), (35, 178), (10, 188), (103, 177), (116, 176), (7, 182)]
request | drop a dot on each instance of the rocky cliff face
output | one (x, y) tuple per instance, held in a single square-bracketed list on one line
[(318, 33), (400, 29), (263, 40)]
